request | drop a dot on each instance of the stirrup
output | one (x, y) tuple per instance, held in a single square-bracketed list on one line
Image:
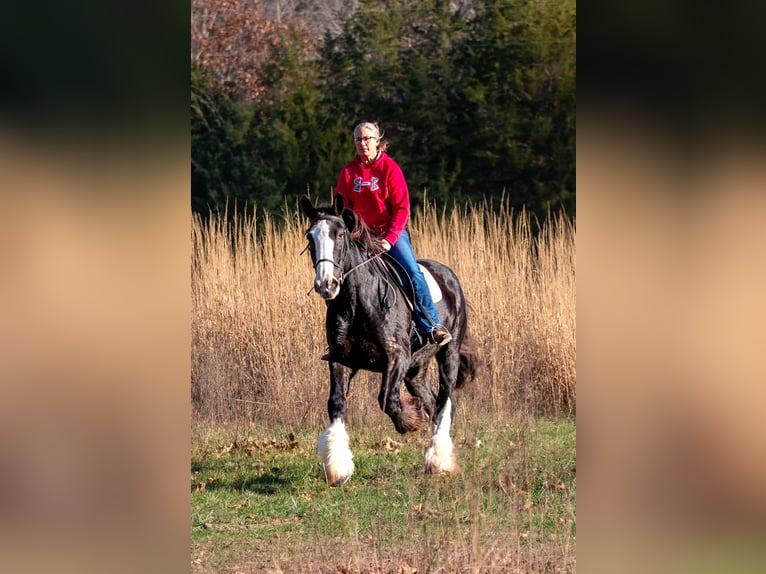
[(440, 336)]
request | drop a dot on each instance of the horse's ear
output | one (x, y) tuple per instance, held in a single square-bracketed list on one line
[(308, 207), (349, 218), (338, 204)]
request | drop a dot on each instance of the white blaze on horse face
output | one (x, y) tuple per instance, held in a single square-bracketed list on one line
[(325, 282)]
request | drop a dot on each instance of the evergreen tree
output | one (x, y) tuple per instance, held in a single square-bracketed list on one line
[(221, 166), (392, 63), (518, 93), (477, 101), (297, 144)]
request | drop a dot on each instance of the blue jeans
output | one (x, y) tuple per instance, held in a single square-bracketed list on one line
[(426, 315)]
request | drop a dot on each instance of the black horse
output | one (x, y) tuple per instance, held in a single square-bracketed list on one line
[(369, 326)]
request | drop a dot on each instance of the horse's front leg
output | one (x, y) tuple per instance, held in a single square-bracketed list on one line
[(333, 444)]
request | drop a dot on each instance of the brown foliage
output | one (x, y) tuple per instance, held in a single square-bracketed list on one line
[(232, 38), (258, 330)]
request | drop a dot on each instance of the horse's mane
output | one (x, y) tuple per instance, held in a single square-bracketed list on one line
[(361, 234), (364, 237)]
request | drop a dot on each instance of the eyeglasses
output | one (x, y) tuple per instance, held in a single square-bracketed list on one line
[(364, 139)]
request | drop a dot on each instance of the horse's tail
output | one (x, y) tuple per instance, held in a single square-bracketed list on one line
[(469, 363)]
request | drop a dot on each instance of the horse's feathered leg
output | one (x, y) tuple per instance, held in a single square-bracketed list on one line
[(333, 444), (440, 453)]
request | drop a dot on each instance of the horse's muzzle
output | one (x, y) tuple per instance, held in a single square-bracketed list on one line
[(328, 287)]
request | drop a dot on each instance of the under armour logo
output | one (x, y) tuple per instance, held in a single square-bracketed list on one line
[(358, 184)]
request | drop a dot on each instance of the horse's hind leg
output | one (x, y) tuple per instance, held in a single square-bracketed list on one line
[(407, 416), (440, 453), (333, 444), (416, 383)]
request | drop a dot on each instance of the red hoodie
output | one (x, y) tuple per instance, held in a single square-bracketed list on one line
[(378, 194)]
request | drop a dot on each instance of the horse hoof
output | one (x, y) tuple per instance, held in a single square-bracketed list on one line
[(444, 467), (341, 481), (440, 458)]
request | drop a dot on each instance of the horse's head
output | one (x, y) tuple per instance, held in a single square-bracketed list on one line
[(329, 240)]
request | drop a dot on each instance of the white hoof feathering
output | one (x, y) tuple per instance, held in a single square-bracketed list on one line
[(334, 451), (439, 456)]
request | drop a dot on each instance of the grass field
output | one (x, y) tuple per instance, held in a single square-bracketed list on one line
[(259, 395), (260, 503)]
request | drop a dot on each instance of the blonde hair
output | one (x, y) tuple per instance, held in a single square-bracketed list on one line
[(382, 144)]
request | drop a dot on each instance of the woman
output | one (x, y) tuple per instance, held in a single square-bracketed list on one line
[(373, 186)]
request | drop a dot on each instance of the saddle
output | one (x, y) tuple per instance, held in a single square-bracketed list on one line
[(402, 280)]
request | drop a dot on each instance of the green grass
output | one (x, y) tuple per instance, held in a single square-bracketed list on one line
[(259, 500)]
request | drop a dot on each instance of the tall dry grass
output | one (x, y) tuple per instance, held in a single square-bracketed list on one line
[(257, 335)]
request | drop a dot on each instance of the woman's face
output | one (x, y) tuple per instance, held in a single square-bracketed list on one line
[(366, 143)]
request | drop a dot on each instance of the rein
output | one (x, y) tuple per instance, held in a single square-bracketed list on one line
[(358, 265)]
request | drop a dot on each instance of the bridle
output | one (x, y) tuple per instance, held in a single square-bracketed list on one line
[(344, 234)]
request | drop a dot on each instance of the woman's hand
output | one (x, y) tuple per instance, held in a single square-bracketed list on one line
[(385, 245)]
